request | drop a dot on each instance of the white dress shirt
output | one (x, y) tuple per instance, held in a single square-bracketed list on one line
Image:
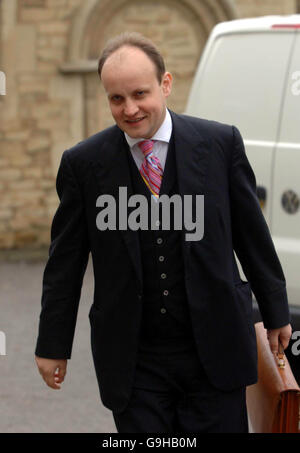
[(160, 147)]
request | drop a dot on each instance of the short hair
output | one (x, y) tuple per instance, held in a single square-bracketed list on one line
[(134, 39)]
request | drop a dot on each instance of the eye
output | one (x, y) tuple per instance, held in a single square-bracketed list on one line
[(116, 98)]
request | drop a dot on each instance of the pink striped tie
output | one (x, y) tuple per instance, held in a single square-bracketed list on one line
[(151, 169)]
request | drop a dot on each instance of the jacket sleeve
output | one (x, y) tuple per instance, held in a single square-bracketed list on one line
[(65, 268), (252, 241)]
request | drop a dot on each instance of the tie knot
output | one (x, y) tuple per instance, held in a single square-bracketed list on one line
[(146, 146)]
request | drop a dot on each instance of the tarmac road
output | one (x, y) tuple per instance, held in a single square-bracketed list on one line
[(27, 405)]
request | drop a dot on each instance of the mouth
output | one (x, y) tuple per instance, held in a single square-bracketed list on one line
[(135, 121)]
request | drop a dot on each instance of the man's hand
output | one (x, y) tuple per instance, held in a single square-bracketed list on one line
[(52, 371), (283, 334)]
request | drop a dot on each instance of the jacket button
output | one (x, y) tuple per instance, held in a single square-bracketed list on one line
[(163, 311)]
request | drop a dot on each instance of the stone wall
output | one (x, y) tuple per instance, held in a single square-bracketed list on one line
[(35, 115), (48, 51), (254, 8)]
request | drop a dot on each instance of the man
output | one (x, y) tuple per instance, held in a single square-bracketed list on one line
[(171, 324)]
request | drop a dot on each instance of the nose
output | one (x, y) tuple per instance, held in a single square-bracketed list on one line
[(130, 108)]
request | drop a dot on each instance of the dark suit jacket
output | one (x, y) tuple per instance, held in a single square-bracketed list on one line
[(211, 160)]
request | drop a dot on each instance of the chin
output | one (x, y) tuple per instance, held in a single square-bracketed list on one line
[(134, 133), (137, 131)]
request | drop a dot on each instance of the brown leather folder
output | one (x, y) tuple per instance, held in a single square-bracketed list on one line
[(273, 402)]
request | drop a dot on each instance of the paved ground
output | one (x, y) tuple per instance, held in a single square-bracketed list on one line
[(27, 405)]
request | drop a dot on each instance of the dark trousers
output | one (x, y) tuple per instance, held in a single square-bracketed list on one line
[(172, 394)]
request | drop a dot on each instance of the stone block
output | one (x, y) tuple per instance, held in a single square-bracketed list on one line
[(32, 195), (5, 214), (38, 143), (32, 3), (46, 184), (4, 162), (10, 147), (254, 8), (25, 238), (9, 17), (46, 67), (58, 41), (55, 54), (36, 15), (23, 185), (20, 160), (57, 3), (25, 48), (44, 235), (20, 220), (7, 240), (10, 174), (31, 83), (33, 173), (8, 124), (53, 28), (21, 135)]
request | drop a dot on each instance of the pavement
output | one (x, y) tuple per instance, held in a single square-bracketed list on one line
[(27, 405)]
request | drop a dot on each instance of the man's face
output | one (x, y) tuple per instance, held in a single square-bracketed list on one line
[(137, 100)]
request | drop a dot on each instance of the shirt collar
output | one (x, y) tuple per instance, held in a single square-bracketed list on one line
[(162, 134)]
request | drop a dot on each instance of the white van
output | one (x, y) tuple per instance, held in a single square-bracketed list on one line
[(249, 76)]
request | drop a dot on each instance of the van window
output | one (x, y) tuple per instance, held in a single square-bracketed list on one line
[(242, 82)]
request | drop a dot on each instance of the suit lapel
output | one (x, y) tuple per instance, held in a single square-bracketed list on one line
[(192, 151), (192, 156), (112, 172)]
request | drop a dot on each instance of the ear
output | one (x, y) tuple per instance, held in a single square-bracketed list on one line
[(167, 83)]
